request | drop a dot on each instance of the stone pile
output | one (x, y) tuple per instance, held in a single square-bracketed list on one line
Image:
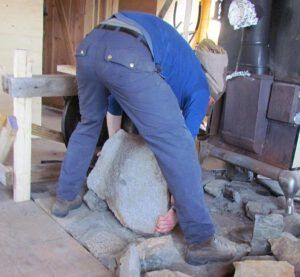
[(127, 193)]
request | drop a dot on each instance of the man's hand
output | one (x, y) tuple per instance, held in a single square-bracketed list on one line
[(167, 222)]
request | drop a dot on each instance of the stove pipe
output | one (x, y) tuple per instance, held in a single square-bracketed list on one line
[(254, 51)]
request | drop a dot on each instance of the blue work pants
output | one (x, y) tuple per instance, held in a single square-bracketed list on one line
[(118, 63)]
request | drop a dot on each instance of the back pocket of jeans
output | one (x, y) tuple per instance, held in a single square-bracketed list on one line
[(129, 58)]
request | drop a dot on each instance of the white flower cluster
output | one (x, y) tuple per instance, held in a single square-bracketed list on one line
[(242, 14)]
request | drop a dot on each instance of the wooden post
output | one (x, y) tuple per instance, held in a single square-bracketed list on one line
[(22, 145)]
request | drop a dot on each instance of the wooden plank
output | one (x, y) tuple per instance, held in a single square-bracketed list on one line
[(22, 145), (66, 34), (6, 175), (89, 14), (45, 172), (67, 69), (7, 136), (149, 6), (47, 133), (42, 85), (33, 244)]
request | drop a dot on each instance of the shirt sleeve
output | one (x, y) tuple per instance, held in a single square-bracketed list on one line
[(114, 107), (195, 109)]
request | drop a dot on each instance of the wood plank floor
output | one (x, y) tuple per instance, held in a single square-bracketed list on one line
[(32, 244)]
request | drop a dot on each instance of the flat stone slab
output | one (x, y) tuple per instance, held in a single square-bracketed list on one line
[(158, 253), (98, 231), (263, 269), (128, 178), (130, 263), (287, 248), (265, 228), (253, 208), (215, 187)]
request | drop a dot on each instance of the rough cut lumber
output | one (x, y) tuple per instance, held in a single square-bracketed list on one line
[(66, 34), (7, 136), (6, 175), (42, 86), (47, 133), (68, 69), (45, 172), (22, 145), (39, 173)]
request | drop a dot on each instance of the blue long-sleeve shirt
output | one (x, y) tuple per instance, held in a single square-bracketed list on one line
[(179, 66)]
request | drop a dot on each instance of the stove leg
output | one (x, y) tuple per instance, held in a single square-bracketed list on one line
[(290, 183)]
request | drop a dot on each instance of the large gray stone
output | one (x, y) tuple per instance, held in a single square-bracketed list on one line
[(265, 228), (158, 253), (127, 176), (130, 263), (287, 248)]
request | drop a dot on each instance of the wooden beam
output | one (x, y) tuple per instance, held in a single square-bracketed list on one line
[(67, 69), (39, 173), (42, 86), (47, 133), (45, 172), (22, 145), (66, 34), (6, 175)]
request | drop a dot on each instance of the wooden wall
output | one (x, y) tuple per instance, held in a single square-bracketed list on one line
[(67, 21), (64, 28), (148, 6), (21, 27)]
